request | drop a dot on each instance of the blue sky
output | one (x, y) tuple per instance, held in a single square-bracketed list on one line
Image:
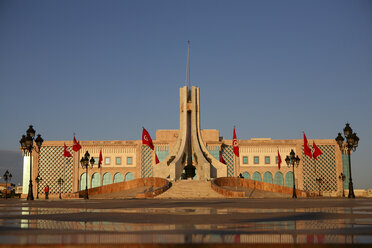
[(104, 69)]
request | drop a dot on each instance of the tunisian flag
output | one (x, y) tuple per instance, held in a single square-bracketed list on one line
[(317, 152), (100, 159), (76, 146), (66, 153), (235, 144), (279, 160), (146, 140), (307, 150), (221, 159)]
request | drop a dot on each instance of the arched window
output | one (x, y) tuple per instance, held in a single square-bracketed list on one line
[(83, 181), (118, 177), (246, 175), (268, 177), (289, 179), (107, 178), (278, 179), (96, 180), (257, 176), (129, 176)]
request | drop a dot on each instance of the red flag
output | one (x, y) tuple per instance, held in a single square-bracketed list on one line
[(100, 159), (66, 153), (221, 159), (235, 144), (146, 139), (307, 150), (279, 160), (76, 146), (317, 152), (156, 159)]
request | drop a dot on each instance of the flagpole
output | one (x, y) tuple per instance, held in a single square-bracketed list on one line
[(64, 175), (236, 172), (100, 152)]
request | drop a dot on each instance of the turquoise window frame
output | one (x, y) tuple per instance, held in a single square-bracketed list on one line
[(107, 160), (96, 160), (256, 159), (129, 160), (118, 160), (245, 159), (267, 159)]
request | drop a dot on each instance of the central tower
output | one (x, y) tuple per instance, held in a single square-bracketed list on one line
[(190, 150), (190, 153)]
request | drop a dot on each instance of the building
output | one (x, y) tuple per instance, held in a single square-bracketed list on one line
[(201, 149)]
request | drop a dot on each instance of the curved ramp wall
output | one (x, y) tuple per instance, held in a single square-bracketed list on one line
[(219, 183), (159, 186)]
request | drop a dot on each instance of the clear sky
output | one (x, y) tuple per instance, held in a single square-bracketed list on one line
[(104, 69)]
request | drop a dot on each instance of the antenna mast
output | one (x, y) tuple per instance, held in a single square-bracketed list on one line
[(188, 56)]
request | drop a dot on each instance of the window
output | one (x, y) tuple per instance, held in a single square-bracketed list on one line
[(96, 160), (129, 160), (118, 160), (256, 160), (107, 160), (276, 160), (245, 160), (267, 160)]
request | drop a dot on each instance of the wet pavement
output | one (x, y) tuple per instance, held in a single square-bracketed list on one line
[(155, 221)]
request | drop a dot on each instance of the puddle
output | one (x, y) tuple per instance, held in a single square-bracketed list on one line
[(300, 225), (187, 239), (18, 231), (181, 210)]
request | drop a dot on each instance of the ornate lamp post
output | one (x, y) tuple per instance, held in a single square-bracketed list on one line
[(27, 145), (293, 160), (38, 179), (86, 163), (7, 176), (60, 182), (351, 144), (342, 178)]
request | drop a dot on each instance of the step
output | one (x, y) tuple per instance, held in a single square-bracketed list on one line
[(190, 189)]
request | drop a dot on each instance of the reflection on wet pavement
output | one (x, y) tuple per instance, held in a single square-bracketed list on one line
[(22, 224)]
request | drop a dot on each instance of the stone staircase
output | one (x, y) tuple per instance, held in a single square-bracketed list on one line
[(190, 189)]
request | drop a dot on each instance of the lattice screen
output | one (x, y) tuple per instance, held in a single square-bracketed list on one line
[(146, 161), (214, 151), (324, 167), (52, 166), (162, 152), (228, 156)]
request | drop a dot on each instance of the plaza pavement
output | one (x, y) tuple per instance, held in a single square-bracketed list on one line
[(182, 222)]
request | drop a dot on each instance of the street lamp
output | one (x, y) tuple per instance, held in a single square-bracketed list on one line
[(27, 145), (351, 144), (38, 179), (60, 182), (86, 163), (7, 176), (342, 178), (293, 160)]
